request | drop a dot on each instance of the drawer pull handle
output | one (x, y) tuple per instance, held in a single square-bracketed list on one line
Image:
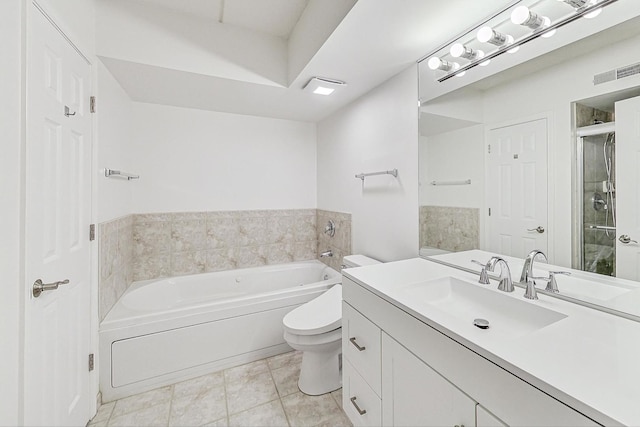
[(360, 411), (353, 341)]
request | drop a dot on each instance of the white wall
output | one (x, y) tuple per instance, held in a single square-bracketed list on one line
[(114, 140), (194, 160), (11, 129), (453, 156), (77, 19), (379, 131)]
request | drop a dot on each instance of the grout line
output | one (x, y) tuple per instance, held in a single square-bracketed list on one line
[(173, 392)]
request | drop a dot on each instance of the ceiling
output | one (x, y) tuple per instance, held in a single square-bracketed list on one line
[(254, 56)]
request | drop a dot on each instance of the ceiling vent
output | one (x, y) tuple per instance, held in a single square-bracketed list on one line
[(620, 73)]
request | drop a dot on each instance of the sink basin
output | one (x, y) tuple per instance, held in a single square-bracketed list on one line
[(465, 301)]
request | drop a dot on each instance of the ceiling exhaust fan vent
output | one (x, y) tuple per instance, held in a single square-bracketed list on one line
[(620, 73)]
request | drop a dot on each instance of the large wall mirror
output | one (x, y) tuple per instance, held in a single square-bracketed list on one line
[(542, 155)]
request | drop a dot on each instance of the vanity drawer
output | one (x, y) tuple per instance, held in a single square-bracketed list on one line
[(361, 345), (361, 404)]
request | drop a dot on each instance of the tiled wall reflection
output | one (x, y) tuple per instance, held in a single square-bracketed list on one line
[(449, 228), (340, 243), (115, 261)]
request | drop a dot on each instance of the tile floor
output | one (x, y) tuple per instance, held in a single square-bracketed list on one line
[(262, 393)]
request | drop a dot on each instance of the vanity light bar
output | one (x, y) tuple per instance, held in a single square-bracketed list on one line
[(561, 23)]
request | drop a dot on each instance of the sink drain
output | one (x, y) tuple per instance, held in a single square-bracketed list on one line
[(481, 323)]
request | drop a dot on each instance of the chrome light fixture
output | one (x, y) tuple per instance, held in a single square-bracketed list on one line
[(436, 63), (581, 4), (489, 35)]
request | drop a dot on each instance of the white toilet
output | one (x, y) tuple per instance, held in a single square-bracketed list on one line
[(315, 328)]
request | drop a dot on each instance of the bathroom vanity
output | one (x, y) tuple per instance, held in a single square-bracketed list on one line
[(413, 356)]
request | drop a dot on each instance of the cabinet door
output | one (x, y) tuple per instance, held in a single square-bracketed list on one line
[(413, 394), (485, 419)]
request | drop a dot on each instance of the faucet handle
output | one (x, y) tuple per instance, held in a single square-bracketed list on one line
[(484, 277), (552, 286)]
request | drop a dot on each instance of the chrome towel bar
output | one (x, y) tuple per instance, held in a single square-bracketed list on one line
[(111, 173), (393, 172), (465, 182)]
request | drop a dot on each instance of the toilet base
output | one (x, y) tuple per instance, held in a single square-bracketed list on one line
[(320, 372)]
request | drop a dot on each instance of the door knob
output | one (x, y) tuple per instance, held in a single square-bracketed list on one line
[(39, 287), (626, 239), (539, 229)]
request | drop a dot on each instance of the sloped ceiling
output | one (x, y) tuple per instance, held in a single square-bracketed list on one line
[(254, 56)]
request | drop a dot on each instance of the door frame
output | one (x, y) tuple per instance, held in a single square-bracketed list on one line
[(551, 175), (33, 7)]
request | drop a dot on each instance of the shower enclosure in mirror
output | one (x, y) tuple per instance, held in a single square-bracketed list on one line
[(596, 175)]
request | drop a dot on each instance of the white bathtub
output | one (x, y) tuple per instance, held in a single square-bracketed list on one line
[(167, 330)]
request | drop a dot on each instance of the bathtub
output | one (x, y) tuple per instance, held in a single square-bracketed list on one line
[(168, 330)]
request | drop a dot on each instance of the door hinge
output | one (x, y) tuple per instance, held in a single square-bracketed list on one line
[(489, 148), (92, 232), (489, 211), (92, 104), (91, 364)]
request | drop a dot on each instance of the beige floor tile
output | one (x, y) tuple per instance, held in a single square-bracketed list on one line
[(104, 412), (285, 359), (99, 423), (270, 414), (244, 371), (142, 401), (150, 416), (222, 422), (198, 385), (286, 379), (198, 409), (250, 391), (303, 410), (338, 420), (337, 395)]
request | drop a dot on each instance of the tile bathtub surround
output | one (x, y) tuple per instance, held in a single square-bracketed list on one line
[(174, 244), (449, 228), (115, 255), (262, 393), (340, 243)]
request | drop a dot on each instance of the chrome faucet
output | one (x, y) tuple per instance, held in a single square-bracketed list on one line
[(526, 277), (506, 284), (326, 254), (527, 268)]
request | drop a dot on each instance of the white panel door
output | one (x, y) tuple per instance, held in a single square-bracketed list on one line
[(58, 185), (517, 188), (628, 188)]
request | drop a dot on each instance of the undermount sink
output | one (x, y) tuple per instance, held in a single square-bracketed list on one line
[(466, 301)]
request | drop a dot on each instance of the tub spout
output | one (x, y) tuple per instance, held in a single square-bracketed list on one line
[(326, 254)]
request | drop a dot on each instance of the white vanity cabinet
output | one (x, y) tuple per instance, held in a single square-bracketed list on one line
[(416, 395), (410, 374)]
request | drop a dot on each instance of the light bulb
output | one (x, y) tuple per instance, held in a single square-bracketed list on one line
[(489, 35), (522, 15), (459, 50), (436, 63)]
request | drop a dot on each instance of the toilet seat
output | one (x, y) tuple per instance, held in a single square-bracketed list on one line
[(320, 315)]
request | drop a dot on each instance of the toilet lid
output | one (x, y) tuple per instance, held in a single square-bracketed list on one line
[(321, 314)]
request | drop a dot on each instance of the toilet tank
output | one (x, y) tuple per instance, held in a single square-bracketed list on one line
[(351, 261)]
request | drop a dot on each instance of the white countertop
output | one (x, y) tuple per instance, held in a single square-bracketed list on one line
[(610, 292), (590, 360)]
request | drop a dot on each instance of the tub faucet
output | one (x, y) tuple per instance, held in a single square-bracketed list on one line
[(326, 254), (506, 284)]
